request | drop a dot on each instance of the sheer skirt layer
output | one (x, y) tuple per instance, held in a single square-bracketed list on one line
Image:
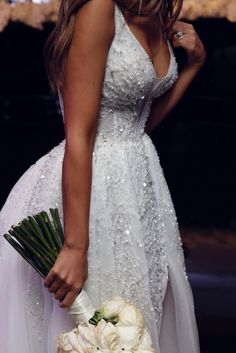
[(132, 221)]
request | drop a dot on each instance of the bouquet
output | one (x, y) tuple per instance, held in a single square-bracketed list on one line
[(114, 327)]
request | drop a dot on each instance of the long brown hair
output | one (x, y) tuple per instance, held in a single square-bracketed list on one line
[(59, 41)]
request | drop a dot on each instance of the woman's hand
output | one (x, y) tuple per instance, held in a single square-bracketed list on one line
[(68, 275), (183, 35)]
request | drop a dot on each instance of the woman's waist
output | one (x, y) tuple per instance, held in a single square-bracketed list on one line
[(124, 139), (120, 125), (116, 149)]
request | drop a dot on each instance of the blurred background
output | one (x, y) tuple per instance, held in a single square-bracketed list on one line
[(196, 144)]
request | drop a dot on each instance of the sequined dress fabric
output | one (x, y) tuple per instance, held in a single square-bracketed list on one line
[(135, 248)]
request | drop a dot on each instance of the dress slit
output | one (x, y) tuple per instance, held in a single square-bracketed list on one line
[(168, 340)]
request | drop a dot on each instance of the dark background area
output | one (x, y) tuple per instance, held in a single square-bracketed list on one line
[(196, 145)]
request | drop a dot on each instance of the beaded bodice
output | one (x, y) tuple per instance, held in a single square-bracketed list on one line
[(130, 84)]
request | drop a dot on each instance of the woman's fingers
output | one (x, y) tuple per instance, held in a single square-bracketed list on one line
[(186, 41), (55, 285), (184, 35), (61, 292), (49, 279), (178, 27), (69, 299), (61, 289), (68, 275)]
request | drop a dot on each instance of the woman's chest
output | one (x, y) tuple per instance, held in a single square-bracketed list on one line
[(130, 75)]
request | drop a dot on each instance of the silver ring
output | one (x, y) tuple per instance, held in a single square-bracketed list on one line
[(179, 35)]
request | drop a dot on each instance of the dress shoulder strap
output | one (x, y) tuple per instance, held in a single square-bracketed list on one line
[(118, 18)]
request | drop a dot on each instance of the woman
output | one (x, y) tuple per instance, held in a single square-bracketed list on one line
[(113, 66)]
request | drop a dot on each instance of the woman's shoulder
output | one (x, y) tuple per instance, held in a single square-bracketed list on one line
[(97, 9), (96, 17)]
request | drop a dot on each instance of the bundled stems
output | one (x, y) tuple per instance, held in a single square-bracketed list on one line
[(38, 240)]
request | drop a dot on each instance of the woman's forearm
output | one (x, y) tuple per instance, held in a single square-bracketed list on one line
[(191, 43), (76, 191), (81, 88), (162, 106)]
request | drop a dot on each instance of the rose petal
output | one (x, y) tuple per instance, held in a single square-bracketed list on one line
[(130, 336), (113, 306), (130, 316)]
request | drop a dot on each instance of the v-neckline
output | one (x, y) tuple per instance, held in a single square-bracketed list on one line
[(140, 46)]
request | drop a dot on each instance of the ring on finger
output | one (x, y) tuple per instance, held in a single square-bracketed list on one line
[(179, 35)]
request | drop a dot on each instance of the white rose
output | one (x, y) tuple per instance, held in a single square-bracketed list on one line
[(73, 339), (130, 316), (87, 335), (107, 337), (129, 336), (63, 343), (145, 342), (104, 336), (83, 345), (78, 340), (113, 306)]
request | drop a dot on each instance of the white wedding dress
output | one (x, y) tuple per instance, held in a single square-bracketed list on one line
[(135, 247)]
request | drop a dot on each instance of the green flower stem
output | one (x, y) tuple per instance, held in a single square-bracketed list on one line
[(40, 234), (36, 253), (56, 237), (23, 233), (32, 226), (38, 239), (40, 220), (43, 271), (52, 231), (57, 223)]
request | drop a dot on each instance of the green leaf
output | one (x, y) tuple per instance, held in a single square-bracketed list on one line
[(113, 320), (98, 315)]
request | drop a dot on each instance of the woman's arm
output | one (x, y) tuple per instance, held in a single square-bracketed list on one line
[(162, 106), (82, 86)]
